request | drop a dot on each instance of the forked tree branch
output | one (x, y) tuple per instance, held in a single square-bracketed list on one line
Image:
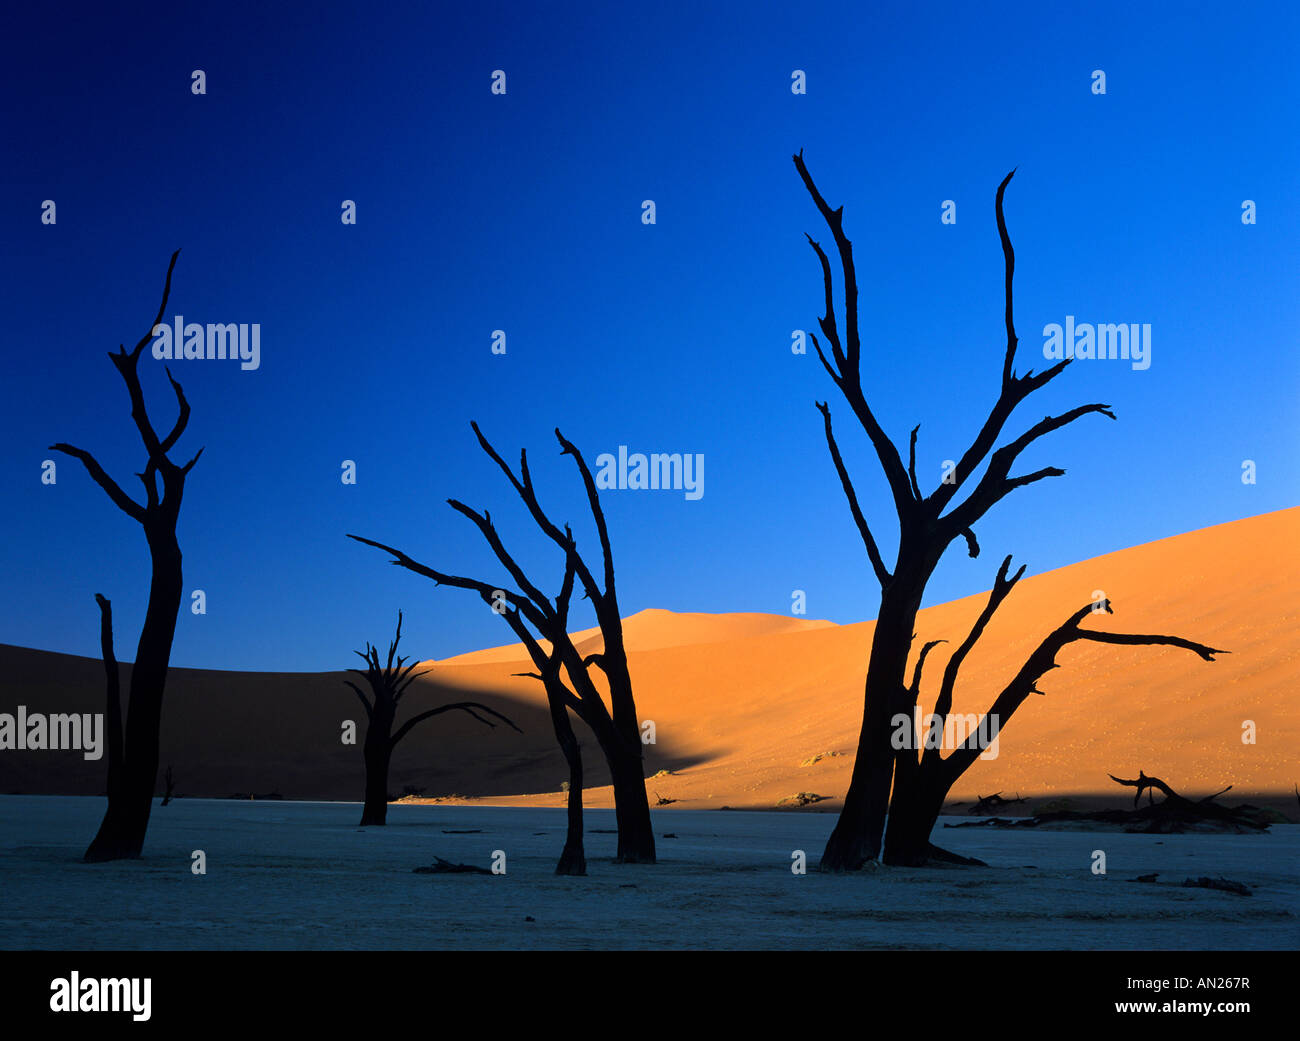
[(914, 688), (549, 664), (907, 758), (357, 690), (608, 600), (157, 461), (486, 590), (483, 521), (849, 378), (120, 499), (835, 222), (127, 364), (997, 481), (873, 551), (468, 707), (1002, 586), (183, 416), (1013, 389), (523, 485), (827, 322), (1043, 659)]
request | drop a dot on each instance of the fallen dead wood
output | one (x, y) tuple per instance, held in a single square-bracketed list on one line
[(446, 867), (1172, 815), (1225, 884), (992, 804)]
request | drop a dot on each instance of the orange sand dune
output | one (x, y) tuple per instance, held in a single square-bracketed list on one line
[(744, 704)]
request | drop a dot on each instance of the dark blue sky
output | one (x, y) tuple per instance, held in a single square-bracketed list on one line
[(523, 212)]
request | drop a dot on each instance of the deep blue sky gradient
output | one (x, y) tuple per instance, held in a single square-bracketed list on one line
[(478, 212)]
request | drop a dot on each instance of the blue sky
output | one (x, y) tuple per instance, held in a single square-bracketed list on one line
[(522, 212)]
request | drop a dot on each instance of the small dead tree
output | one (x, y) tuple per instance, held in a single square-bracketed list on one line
[(388, 682), (895, 780), (566, 674), (133, 761), (169, 786)]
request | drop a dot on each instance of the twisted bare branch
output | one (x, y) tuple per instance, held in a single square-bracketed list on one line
[(868, 540)]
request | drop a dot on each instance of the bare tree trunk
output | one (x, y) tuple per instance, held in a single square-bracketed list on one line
[(913, 813), (856, 837), (378, 756), (121, 834), (113, 706), (636, 838), (573, 859), (625, 754)]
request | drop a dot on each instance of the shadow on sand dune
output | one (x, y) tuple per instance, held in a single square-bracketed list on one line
[(239, 732)]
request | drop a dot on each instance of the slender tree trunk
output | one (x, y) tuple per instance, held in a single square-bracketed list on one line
[(121, 834), (573, 861), (113, 706)]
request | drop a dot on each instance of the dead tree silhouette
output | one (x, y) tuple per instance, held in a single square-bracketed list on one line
[(388, 682), (900, 785), (616, 728), (133, 761)]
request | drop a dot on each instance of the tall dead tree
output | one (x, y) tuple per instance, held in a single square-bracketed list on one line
[(888, 783), (133, 770), (388, 682), (567, 675)]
